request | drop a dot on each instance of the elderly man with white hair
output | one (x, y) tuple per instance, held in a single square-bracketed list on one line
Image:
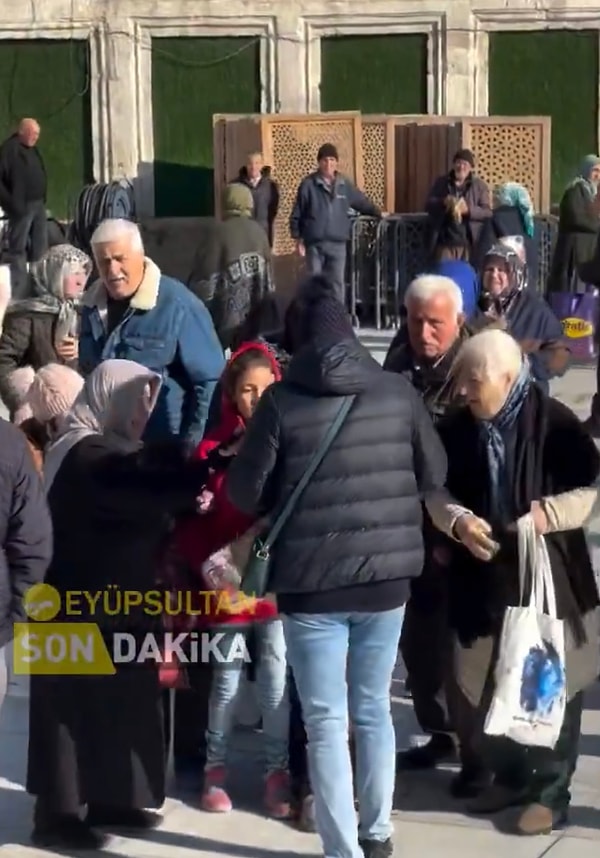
[(423, 352), (513, 451), (135, 312)]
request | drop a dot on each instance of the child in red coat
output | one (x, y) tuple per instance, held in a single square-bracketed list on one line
[(203, 543)]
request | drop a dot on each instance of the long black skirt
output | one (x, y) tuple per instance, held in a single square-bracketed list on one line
[(97, 740)]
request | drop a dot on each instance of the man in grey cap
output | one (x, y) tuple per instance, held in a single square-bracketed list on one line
[(320, 221), (457, 205)]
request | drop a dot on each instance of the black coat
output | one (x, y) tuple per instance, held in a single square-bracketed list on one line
[(505, 221), (99, 739), (578, 229), (13, 175), (27, 339), (266, 198), (25, 528), (548, 453), (359, 521)]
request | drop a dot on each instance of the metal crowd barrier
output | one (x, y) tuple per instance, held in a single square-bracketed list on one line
[(385, 255)]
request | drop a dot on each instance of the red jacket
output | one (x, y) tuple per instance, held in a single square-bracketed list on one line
[(198, 537)]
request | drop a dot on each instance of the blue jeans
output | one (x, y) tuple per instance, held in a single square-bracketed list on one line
[(343, 665), (329, 258), (271, 686)]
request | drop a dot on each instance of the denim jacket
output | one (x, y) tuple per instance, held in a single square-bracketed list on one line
[(168, 330)]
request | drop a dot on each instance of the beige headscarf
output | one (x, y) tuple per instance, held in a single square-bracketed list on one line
[(112, 396)]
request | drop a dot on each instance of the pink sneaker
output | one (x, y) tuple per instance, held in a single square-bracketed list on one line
[(278, 795), (214, 797)]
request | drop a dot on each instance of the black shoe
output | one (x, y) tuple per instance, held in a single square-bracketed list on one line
[(376, 848), (469, 782), (100, 816), (439, 749), (68, 833)]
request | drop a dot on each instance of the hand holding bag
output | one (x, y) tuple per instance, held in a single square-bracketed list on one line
[(531, 690), (256, 575)]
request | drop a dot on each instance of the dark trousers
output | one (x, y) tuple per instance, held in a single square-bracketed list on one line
[(425, 649), (190, 717), (329, 258), (546, 774), (27, 242)]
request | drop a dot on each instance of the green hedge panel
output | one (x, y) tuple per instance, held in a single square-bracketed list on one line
[(192, 79), (374, 74), (549, 73), (48, 79)]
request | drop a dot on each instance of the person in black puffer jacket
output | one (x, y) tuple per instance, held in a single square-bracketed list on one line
[(342, 566)]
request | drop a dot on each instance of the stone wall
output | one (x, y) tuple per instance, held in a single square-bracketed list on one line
[(120, 33)]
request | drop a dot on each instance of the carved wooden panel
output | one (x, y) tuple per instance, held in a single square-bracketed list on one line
[(290, 146), (378, 160), (512, 149)]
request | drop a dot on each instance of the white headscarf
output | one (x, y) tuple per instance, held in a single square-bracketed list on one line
[(106, 405)]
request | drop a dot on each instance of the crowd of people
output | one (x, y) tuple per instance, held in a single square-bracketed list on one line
[(160, 440)]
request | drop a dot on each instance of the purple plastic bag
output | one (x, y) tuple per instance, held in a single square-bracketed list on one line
[(579, 315)]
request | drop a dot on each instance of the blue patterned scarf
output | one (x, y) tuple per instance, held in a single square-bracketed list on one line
[(493, 433)]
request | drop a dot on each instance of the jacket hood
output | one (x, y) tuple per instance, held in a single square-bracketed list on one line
[(230, 418), (265, 173), (343, 369)]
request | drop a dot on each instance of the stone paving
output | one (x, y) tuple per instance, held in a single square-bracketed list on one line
[(427, 822)]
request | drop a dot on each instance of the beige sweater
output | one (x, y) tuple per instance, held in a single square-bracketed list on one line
[(566, 511)]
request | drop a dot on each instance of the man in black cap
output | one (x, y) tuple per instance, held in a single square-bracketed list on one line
[(457, 205), (320, 221)]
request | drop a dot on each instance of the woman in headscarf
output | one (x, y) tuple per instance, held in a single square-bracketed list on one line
[(98, 740), (513, 215), (513, 451), (522, 312), (44, 328), (578, 227)]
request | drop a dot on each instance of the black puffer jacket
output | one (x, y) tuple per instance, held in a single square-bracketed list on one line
[(355, 536)]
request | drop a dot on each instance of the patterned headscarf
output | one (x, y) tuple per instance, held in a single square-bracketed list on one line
[(47, 279), (583, 177), (513, 194)]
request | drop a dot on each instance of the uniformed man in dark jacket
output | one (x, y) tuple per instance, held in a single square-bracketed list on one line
[(342, 565), (264, 189), (23, 187), (320, 222), (423, 352)]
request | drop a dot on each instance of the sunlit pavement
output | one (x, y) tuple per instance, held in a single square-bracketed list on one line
[(427, 822)]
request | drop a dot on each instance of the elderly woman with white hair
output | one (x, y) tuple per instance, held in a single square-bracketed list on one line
[(512, 450), (98, 740)]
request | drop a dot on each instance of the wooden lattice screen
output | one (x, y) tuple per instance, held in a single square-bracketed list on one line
[(512, 149), (379, 160)]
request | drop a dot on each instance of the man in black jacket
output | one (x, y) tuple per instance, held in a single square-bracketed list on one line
[(26, 533), (264, 189), (23, 187), (342, 565), (423, 352)]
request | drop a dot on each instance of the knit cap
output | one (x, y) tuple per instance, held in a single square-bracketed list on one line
[(316, 316), (53, 391)]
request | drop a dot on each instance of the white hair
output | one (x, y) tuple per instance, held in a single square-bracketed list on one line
[(115, 229), (428, 286), (489, 354)]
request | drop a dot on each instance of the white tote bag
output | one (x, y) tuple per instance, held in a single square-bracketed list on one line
[(530, 695)]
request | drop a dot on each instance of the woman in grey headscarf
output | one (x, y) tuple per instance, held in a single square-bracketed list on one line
[(578, 227), (98, 740), (43, 328)]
